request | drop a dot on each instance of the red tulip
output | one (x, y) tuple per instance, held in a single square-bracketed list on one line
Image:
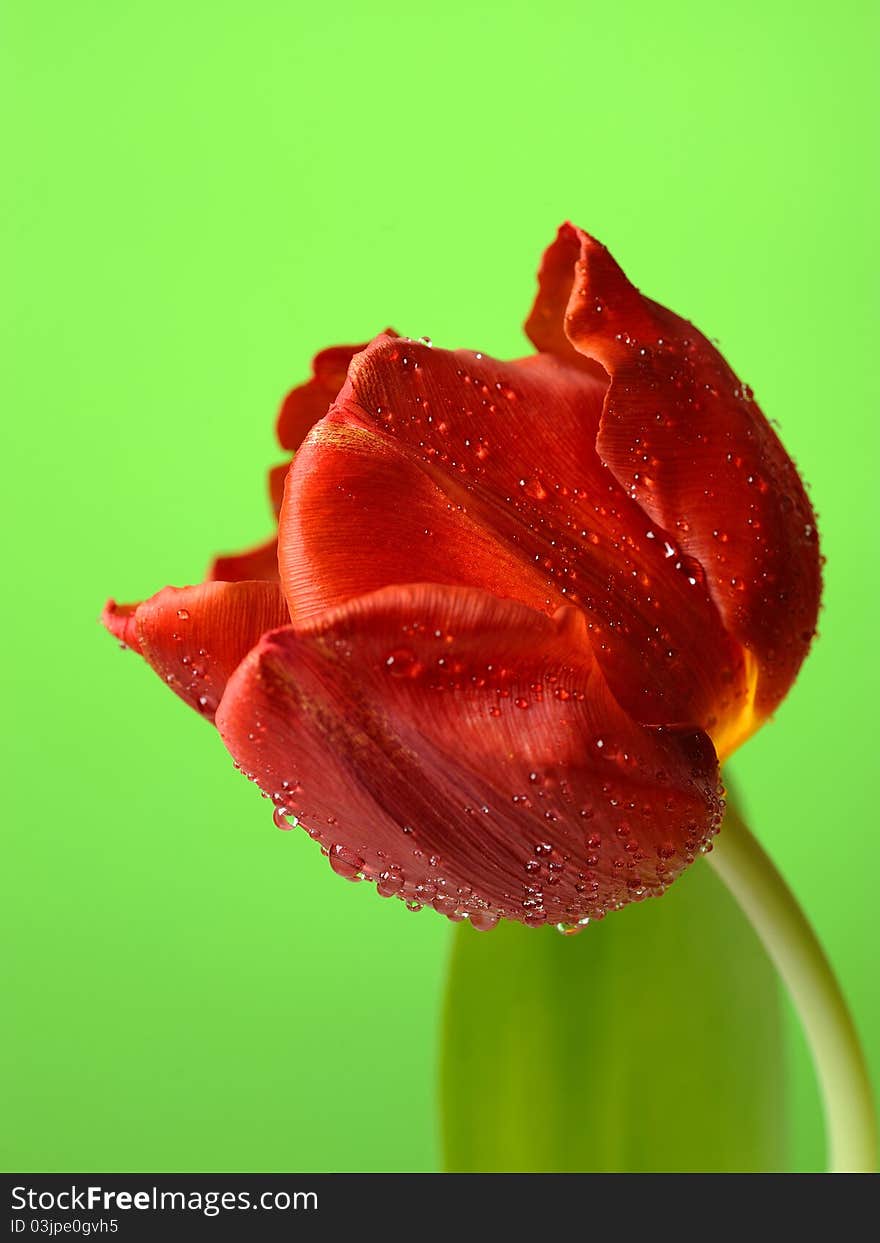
[(517, 612)]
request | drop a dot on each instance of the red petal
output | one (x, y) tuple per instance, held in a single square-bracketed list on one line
[(459, 469), (545, 326), (277, 476), (257, 563), (465, 751), (684, 436), (119, 620), (194, 637), (360, 515), (307, 403)]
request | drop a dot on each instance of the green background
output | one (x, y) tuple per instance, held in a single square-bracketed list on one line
[(198, 197)]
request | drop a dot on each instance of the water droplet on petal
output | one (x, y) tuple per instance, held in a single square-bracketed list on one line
[(390, 882), (345, 862), (280, 814), (483, 921)]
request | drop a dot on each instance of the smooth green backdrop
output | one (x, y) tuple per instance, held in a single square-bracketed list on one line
[(196, 198)]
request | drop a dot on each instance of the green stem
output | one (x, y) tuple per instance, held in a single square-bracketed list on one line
[(771, 907)]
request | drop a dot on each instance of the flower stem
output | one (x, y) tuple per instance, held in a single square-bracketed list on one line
[(766, 899)]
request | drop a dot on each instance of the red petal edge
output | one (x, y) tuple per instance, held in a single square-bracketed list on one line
[(119, 619), (277, 477), (465, 752), (194, 637), (256, 563), (307, 403)]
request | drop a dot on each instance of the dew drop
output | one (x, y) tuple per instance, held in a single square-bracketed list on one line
[(390, 882), (279, 815), (483, 921), (345, 862)]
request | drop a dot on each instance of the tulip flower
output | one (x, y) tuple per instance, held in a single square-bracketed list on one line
[(516, 611), (515, 616)]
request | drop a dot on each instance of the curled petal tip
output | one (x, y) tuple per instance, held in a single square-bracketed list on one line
[(119, 619), (194, 637)]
